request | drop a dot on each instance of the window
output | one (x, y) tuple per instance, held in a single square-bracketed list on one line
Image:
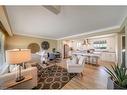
[(1, 49), (79, 45)]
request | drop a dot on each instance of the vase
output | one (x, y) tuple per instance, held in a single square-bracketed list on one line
[(116, 86), (113, 85)]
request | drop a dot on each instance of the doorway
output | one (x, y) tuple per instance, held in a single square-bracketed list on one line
[(123, 50), (66, 51)]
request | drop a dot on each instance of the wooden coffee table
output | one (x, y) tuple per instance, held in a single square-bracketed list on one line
[(46, 65)]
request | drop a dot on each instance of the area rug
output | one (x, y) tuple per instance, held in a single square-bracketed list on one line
[(54, 77)]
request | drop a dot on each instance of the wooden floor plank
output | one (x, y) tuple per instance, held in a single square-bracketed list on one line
[(94, 77)]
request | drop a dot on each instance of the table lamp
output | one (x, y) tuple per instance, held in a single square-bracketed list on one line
[(18, 56)]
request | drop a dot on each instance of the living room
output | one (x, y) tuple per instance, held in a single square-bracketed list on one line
[(71, 54)]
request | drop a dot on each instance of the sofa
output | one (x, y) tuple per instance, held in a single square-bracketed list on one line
[(32, 71)]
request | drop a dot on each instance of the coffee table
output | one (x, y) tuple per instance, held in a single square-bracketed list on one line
[(47, 65)]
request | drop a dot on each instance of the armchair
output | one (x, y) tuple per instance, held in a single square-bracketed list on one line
[(51, 56), (76, 66)]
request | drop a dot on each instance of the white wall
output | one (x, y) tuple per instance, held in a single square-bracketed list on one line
[(111, 42), (110, 38)]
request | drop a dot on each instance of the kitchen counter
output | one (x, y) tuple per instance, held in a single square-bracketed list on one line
[(106, 51), (107, 56)]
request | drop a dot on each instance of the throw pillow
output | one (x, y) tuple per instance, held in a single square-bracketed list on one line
[(74, 59), (81, 60)]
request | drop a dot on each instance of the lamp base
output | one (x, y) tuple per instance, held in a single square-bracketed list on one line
[(20, 78)]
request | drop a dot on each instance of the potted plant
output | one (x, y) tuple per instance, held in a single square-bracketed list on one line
[(54, 50), (118, 76)]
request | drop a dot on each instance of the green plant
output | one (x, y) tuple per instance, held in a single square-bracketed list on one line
[(54, 50), (71, 57), (118, 74)]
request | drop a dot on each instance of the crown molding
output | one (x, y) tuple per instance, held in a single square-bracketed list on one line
[(113, 29), (35, 36), (102, 36), (123, 22)]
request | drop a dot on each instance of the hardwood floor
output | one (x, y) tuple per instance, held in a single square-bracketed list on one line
[(94, 77)]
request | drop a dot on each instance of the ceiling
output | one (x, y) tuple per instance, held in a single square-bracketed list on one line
[(40, 22)]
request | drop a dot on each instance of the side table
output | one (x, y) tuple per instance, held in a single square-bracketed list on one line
[(12, 83)]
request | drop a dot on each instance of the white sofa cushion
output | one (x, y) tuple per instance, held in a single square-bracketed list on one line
[(81, 60), (74, 59)]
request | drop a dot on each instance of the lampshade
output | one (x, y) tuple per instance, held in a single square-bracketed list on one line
[(17, 56)]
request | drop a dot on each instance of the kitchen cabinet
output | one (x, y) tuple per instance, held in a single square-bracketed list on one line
[(108, 56)]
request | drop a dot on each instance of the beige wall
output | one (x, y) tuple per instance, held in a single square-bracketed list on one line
[(23, 41), (125, 24)]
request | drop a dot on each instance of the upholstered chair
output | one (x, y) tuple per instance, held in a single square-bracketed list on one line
[(76, 65)]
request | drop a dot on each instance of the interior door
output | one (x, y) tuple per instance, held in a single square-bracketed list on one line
[(66, 50)]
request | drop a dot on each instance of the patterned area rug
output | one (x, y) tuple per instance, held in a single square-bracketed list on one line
[(54, 77)]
